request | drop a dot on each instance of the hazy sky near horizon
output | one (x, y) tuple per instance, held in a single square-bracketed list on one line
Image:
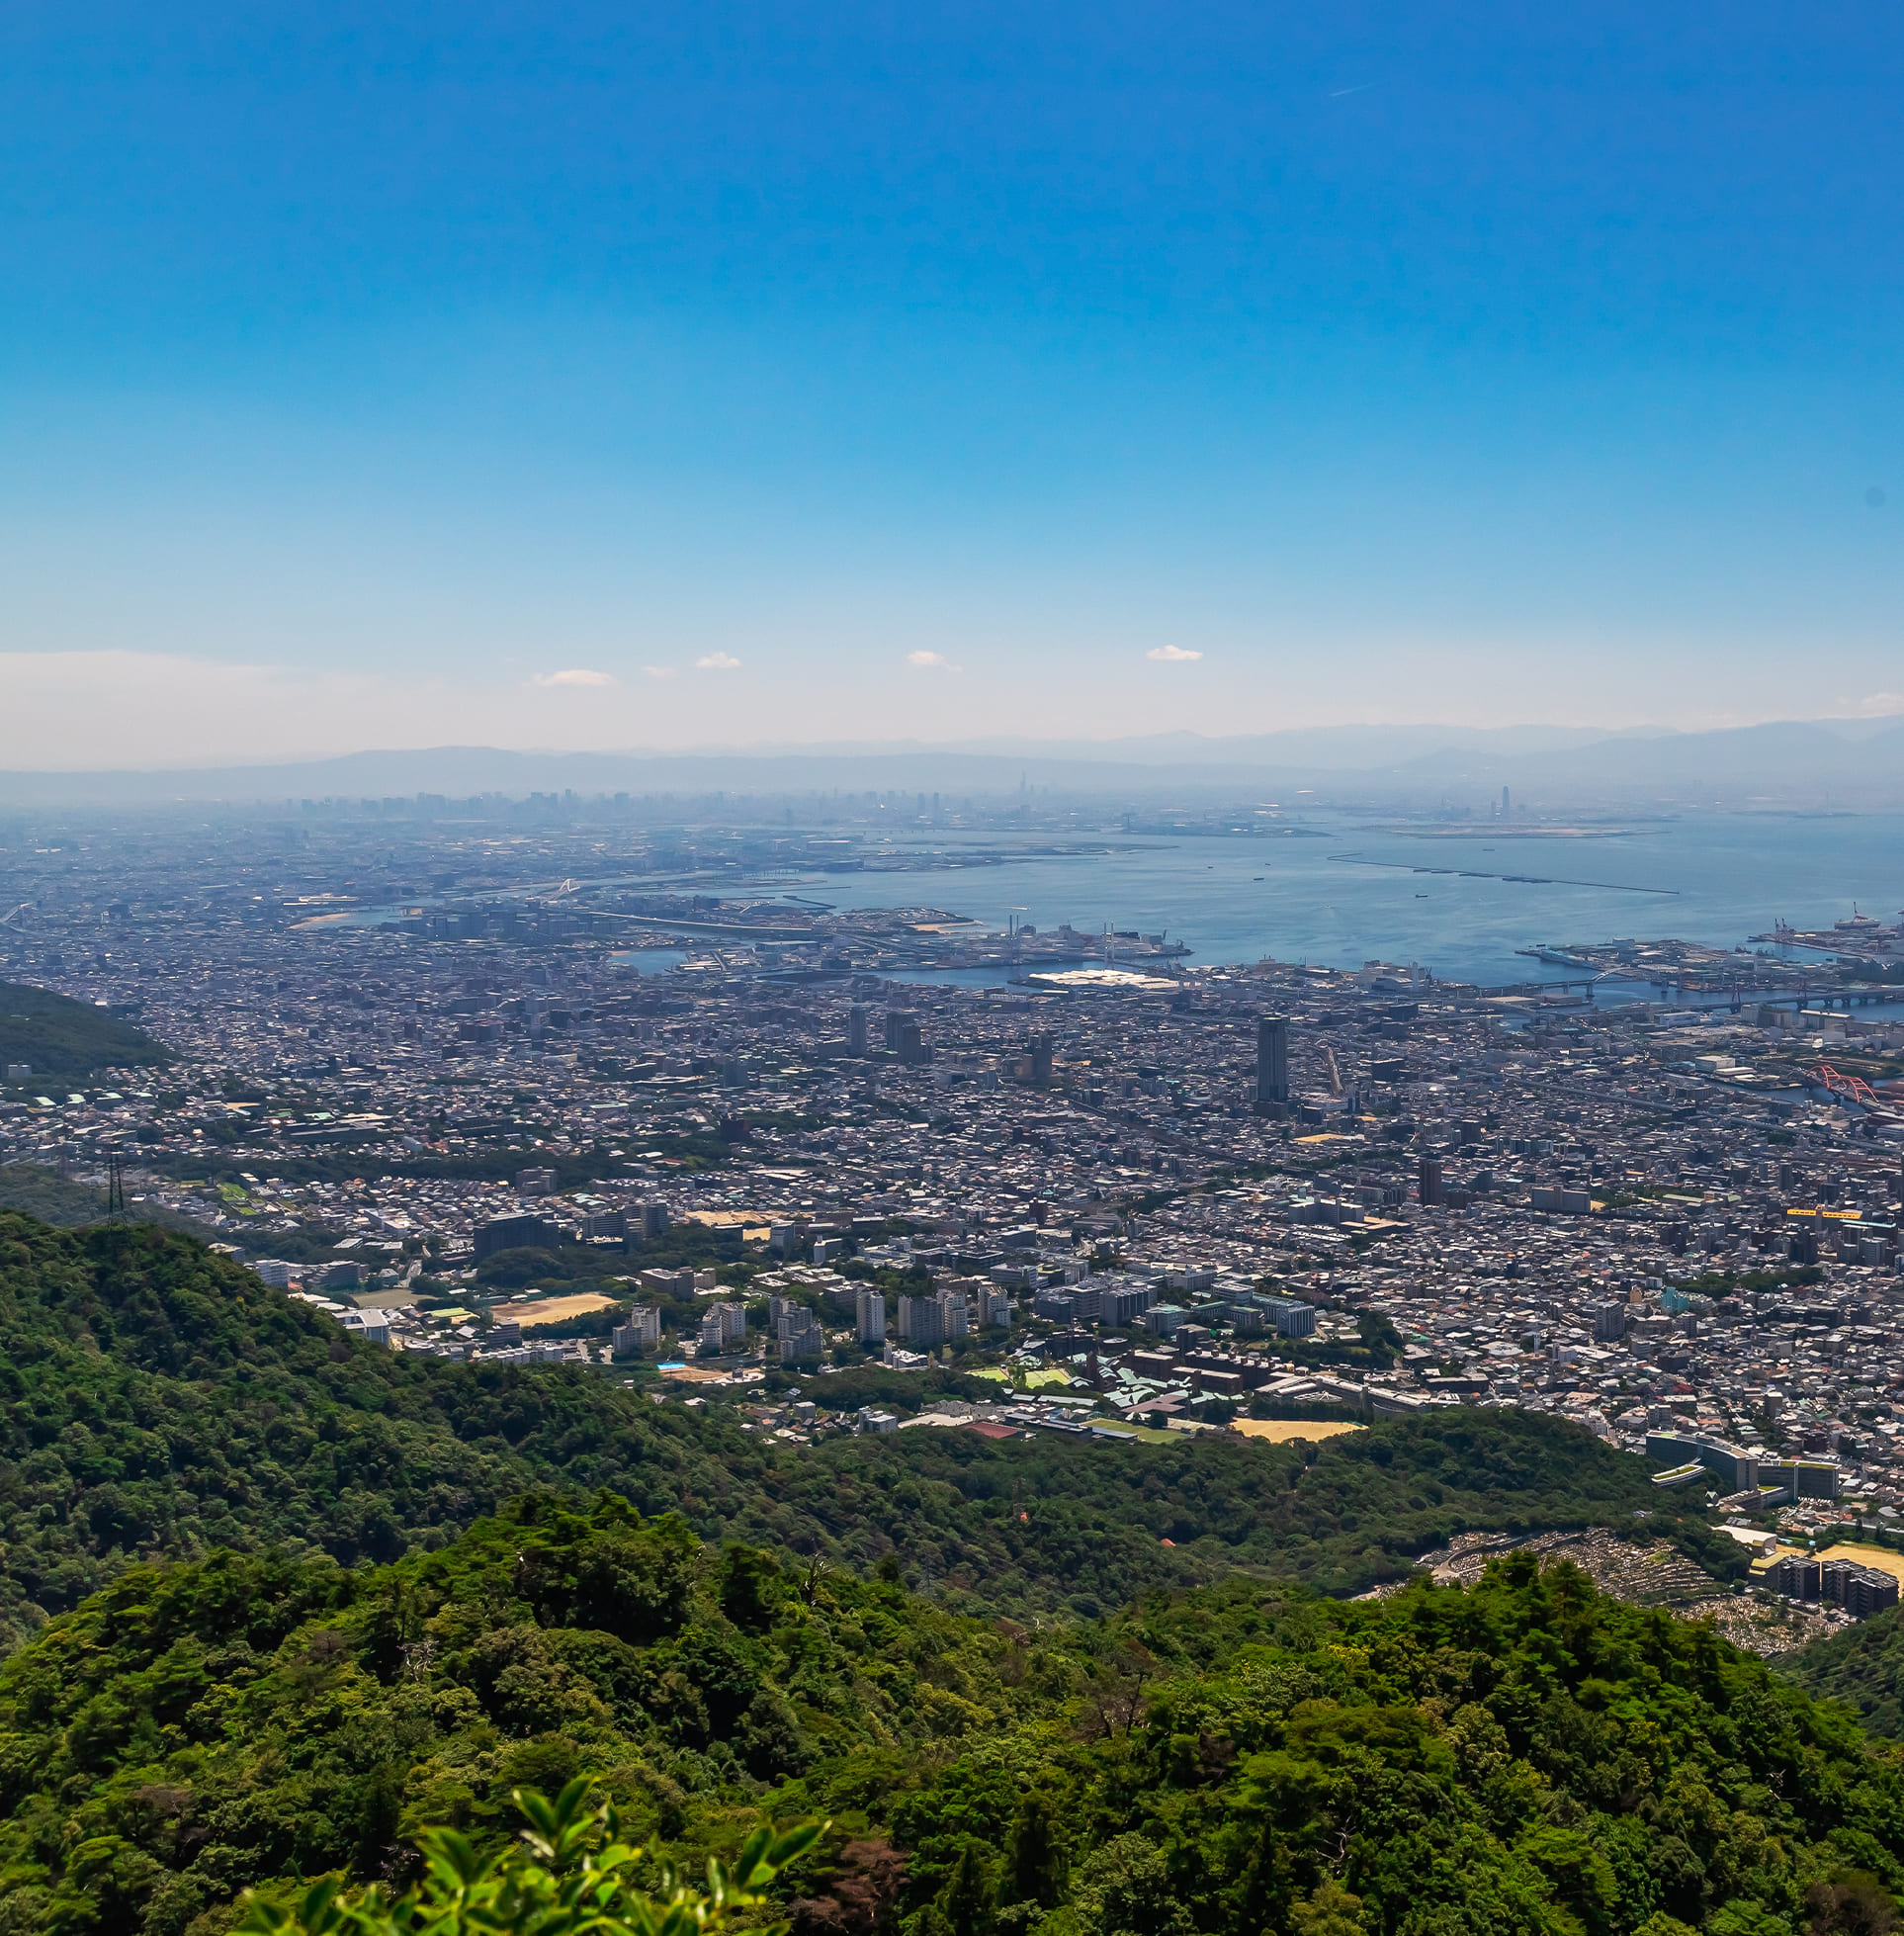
[(601, 376)]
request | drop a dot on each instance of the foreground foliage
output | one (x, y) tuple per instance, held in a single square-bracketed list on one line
[(1241, 1759), (573, 1876), (198, 1728), (156, 1399)]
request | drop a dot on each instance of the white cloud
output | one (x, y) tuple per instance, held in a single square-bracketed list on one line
[(658, 671), (717, 662), (575, 676), (1877, 705), (1172, 654), (929, 662)]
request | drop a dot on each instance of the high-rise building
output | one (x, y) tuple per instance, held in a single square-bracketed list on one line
[(511, 1233), (1041, 1061), (729, 1322), (641, 1332), (1272, 1064), (857, 1029), (1428, 1186), (1125, 1304), (922, 1320), (870, 1316), (799, 1334)]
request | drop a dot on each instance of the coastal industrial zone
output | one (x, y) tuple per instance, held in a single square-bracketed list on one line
[(497, 1087)]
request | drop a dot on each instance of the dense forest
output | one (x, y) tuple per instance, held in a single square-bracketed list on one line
[(64, 1040), (155, 1399), (1229, 1761), (1863, 1668)]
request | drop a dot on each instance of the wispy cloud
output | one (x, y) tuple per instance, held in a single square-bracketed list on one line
[(929, 662), (575, 676), (1874, 705), (658, 671), (717, 662), (1172, 654)]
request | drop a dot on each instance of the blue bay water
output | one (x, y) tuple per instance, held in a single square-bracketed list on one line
[(1236, 900)]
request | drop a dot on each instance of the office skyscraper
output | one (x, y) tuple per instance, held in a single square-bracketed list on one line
[(857, 1029), (1272, 1064)]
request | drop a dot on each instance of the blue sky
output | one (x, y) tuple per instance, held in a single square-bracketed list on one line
[(782, 373)]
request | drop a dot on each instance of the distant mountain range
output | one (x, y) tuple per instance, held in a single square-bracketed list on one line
[(1808, 764)]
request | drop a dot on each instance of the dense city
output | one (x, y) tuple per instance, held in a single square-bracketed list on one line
[(488, 1089)]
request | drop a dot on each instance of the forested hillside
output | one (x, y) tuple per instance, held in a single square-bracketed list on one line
[(38, 1190), (64, 1040), (156, 1399), (1243, 1760), (1862, 1667)]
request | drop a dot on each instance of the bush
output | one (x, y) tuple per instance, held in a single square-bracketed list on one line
[(573, 1874)]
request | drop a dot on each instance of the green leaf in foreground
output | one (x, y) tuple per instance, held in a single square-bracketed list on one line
[(570, 1874)]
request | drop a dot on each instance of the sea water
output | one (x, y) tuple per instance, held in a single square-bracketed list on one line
[(1718, 879)]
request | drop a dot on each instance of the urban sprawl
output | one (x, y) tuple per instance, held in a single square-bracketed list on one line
[(433, 1075)]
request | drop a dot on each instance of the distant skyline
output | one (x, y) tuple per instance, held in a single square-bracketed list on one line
[(672, 377)]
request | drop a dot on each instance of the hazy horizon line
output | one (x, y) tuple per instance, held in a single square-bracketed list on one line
[(992, 745)]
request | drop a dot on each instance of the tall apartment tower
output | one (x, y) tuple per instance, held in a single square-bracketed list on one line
[(1428, 1187), (856, 1029), (1272, 1064), (922, 1320), (870, 1315), (1041, 1061)]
